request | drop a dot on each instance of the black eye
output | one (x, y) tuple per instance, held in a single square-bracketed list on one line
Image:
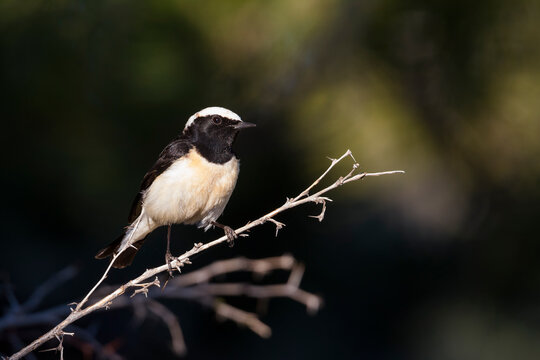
[(216, 120)]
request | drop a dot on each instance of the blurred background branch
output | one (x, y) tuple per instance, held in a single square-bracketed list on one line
[(197, 286)]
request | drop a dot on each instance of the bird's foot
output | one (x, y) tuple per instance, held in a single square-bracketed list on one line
[(169, 258), (231, 235)]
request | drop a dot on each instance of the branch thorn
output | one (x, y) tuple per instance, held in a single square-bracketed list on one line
[(279, 225)]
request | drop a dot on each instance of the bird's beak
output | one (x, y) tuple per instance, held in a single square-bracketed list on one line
[(243, 125)]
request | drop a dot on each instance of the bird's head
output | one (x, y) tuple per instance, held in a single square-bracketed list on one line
[(215, 126)]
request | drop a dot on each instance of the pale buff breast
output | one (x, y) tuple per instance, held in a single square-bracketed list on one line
[(192, 190)]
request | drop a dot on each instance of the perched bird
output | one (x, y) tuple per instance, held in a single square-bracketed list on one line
[(190, 183)]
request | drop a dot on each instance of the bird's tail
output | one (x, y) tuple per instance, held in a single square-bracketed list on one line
[(126, 257), (127, 244)]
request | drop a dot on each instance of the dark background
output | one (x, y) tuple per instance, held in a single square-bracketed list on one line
[(441, 263)]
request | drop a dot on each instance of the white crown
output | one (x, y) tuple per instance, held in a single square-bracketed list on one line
[(214, 110)]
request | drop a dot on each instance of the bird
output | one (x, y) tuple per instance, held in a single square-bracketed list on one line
[(190, 183)]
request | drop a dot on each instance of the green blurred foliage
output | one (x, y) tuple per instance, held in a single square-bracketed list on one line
[(446, 90)]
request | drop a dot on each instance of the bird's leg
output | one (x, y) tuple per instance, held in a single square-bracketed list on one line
[(168, 255), (231, 235)]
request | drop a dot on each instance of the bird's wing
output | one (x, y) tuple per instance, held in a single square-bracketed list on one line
[(172, 152)]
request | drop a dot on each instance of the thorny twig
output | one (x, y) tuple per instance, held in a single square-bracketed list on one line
[(302, 198), (60, 347), (143, 288), (194, 286)]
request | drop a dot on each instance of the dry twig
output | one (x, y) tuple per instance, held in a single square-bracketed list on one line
[(106, 301), (193, 286)]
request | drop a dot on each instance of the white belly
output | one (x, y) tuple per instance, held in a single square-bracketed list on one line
[(192, 190)]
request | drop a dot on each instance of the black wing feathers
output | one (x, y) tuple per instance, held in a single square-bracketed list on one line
[(172, 152)]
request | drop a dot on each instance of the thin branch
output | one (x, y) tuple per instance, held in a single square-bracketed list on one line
[(302, 198), (242, 317), (105, 274), (279, 225), (316, 182), (177, 338), (320, 217), (259, 266), (189, 287), (143, 288), (60, 347), (312, 302)]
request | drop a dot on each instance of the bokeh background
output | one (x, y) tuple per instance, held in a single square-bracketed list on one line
[(441, 263)]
